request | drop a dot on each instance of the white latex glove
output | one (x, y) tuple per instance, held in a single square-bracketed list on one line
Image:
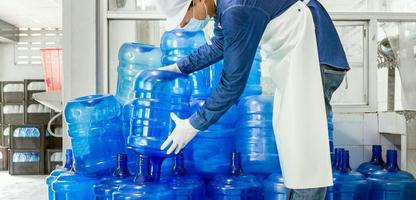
[(180, 136), (172, 68)]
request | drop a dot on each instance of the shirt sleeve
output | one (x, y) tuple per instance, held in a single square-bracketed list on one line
[(205, 55), (243, 28)]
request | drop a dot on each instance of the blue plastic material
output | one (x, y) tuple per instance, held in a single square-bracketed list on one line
[(253, 86), (19, 157), (142, 188), (337, 161), (376, 163), (235, 185), (121, 175), (94, 127), (179, 43), (26, 132), (158, 93), (274, 187), (392, 183), (348, 184), (208, 153), (133, 58), (255, 139), (71, 185), (55, 173), (186, 187), (331, 135)]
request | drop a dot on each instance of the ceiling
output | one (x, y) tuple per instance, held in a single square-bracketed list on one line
[(32, 13)]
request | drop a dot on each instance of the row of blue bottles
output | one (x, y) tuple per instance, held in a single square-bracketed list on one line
[(208, 153), (133, 58), (26, 132), (157, 94), (185, 186), (255, 139), (106, 186), (347, 183), (179, 43), (94, 127), (55, 173), (235, 185), (392, 183), (253, 86), (143, 187), (376, 163), (26, 157)]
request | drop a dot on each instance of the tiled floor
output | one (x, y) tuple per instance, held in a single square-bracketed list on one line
[(22, 187)]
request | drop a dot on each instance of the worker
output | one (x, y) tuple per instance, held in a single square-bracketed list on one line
[(285, 31)]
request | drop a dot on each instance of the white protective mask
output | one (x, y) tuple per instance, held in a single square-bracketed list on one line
[(197, 24)]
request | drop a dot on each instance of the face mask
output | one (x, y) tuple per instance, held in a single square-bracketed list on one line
[(197, 24)]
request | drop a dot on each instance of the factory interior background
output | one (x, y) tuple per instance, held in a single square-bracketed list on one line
[(375, 105)]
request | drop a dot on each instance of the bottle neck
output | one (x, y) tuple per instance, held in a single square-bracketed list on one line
[(122, 169), (345, 162), (143, 170), (392, 165), (235, 165), (376, 157), (178, 166), (69, 159), (339, 159)]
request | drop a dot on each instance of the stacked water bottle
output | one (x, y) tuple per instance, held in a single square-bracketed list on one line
[(116, 139)]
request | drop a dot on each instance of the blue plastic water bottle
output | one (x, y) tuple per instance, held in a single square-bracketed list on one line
[(376, 163), (274, 187), (55, 173)]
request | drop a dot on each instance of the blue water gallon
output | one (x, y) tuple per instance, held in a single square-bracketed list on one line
[(274, 187), (235, 185), (142, 186), (180, 43), (133, 58), (255, 139), (186, 187), (208, 153), (253, 86), (106, 186), (94, 127), (376, 163), (347, 183), (391, 183), (55, 173), (71, 185)]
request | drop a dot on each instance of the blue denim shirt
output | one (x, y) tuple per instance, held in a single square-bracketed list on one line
[(239, 27)]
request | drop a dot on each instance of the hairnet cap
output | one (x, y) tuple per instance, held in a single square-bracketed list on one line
[(174, 10)]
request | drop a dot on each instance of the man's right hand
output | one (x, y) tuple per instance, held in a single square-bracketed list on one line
[(172, 68)]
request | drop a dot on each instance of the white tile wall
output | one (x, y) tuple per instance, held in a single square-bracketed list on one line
[(348, 129), (371, 134)]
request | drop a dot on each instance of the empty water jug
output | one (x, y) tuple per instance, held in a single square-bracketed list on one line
[(348, 184), (179, 43), (94, 127), (133, 58), (376, 163), (391, 183), (208, 153), (255, 139), (142, 188), (186, 187), (274, 187), (235, 185), (71, 185), (55, 173), (253, 86), (106, 186)]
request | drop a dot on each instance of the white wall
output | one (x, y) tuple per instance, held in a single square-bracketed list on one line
[(10, 72)]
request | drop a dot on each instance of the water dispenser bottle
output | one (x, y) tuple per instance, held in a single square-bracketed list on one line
[(71, 185), (94, 127), (347, 183), (235, 185), (208, 153), (376, 163), (391, 183), (55, 173), (274, 187), (106, 186), (186, 187), (143, 188), (133, 58), (179, 43), (255, 137)]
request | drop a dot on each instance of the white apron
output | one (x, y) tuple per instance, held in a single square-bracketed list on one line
[(289, 52)]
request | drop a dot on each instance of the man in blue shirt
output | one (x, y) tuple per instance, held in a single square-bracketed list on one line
[(282, 29)]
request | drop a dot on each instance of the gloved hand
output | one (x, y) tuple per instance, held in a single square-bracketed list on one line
[(172, 68), (180, 136)]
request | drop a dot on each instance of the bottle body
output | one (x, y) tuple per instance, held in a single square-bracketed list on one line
[(72, 185)]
